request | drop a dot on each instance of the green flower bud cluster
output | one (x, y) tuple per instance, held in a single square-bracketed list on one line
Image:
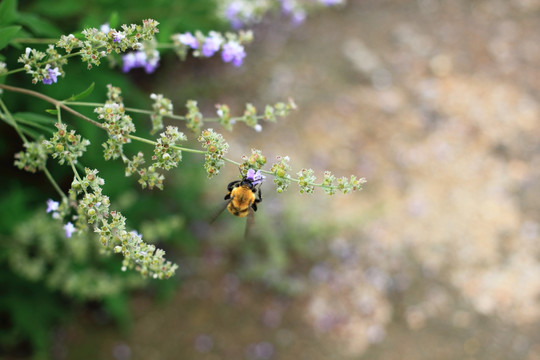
[(143, 257), (33, 158), (328, 183), (194, 117), (166, 155), (117, 123), (98, 44), (344, 184), (250, 115), (132, 166), (280, 170), (216, 148), (66, 146), (271, 112), (43, 66), (224, 116), (162, 107), (69, 42), (255, 161), (39, 251), (280, 109), (94, 207), (306, 180), (150, 178), (347, 185)]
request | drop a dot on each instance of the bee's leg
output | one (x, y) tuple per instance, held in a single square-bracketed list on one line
[(232, 184), (258, 199), (228, 196), (259, 195)]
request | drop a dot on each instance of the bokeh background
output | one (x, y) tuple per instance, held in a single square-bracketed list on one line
[(435, 103)]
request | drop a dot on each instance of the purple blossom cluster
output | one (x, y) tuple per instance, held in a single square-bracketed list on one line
[(245, 12), (255, 176), (140, 59), (52, 75), (231, 50)]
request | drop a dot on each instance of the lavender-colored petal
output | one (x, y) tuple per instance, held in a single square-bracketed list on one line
[(189, 40)]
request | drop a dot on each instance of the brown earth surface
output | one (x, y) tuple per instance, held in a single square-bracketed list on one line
[(436, 104)]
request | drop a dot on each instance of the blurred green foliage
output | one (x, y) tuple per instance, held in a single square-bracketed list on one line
[(42, 274)]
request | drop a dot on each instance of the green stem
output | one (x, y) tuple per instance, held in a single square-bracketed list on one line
[(51, 100), (151, 112), (54, 183), (34, 41), (75, 172), (63, 105), (45, 170), (154, 143), (42, 63), (12, 121)]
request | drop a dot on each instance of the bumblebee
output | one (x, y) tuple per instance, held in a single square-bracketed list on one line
[(245, 194), (243, 197)]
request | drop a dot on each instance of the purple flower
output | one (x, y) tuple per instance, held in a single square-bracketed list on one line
[(211, 44), (152, 62), (287, 6), (189, 40), (140, 59), (298, 16), (118, 36), (231, 13), (53, 76), (255, 177), (233, 51), (52, 205), (128, 61), (69, 229)]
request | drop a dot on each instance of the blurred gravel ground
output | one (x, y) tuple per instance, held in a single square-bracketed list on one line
[(436, 103)]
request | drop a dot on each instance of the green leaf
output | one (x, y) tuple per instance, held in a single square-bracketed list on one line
[(39, 26), (52, 111), (6, 34), (31, 117), (8, 11), (81, 95), (113, 20), (59, 9)]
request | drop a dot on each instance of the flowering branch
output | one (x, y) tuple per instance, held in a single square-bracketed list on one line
[(140, 39), (120, 128)]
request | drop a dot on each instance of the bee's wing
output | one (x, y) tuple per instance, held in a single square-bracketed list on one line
[(250, 220), (219, 211)]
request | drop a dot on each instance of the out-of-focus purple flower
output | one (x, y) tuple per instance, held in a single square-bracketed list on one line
[(233, 51), (69, 229), (105, 28), (287, 6), (189, 40), (128, 61), (231, 13), (255, 177), (140, 59), (211, 44), (298, 16), (53, 76), (52, 205), (152, 62)]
